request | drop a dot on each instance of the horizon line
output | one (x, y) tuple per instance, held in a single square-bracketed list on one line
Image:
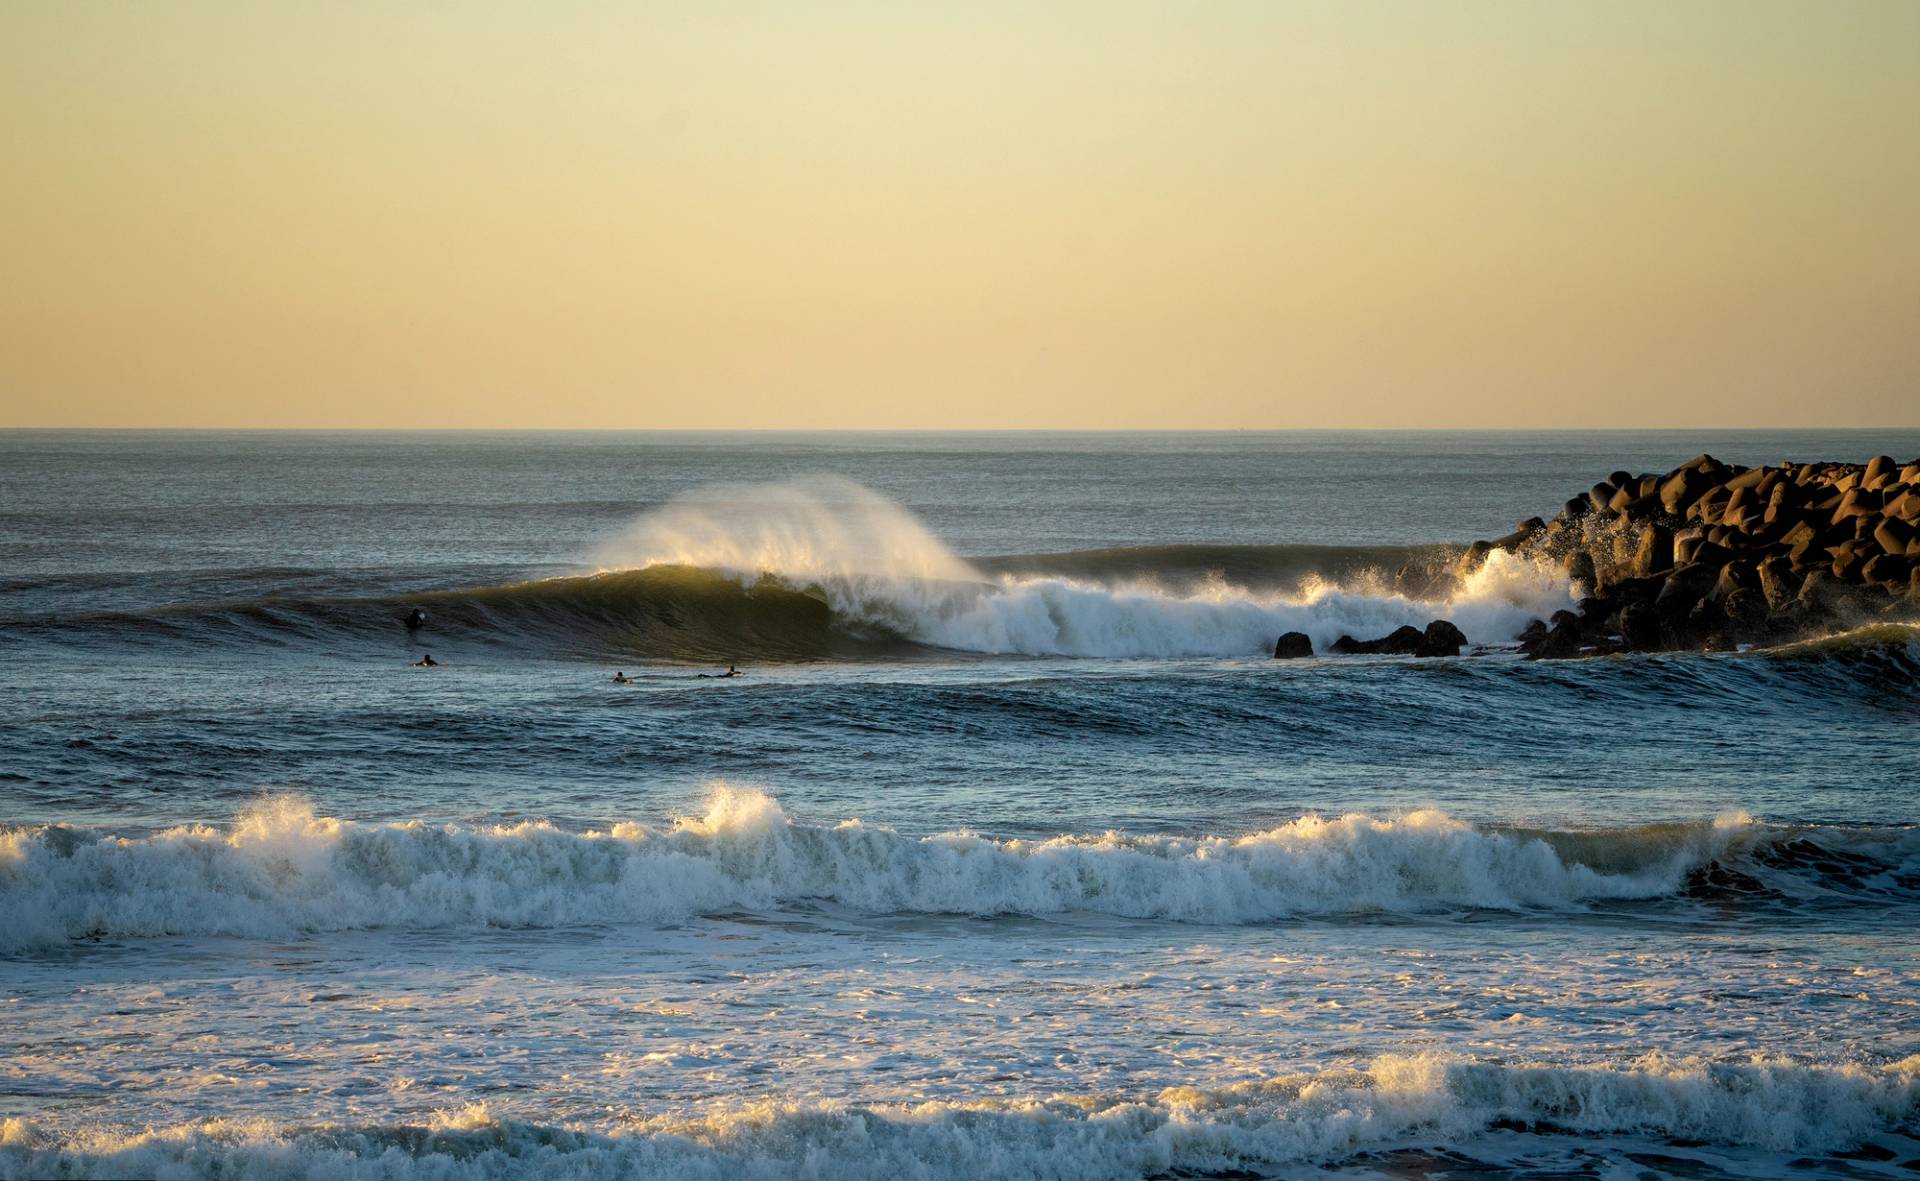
[(564, 430)]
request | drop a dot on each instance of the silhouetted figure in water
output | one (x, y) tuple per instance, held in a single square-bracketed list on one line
[(621, 678), (426, 661), (731, 672), (415, 620)]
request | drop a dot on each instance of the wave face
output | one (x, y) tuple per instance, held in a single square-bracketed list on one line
[(875, 565), (1326, 1118), (281, 870), (825, 569), (822, 569)]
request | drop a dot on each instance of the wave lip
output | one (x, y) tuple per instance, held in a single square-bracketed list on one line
[(280, 869), (1770, 1105), (823, 568), (878, 567)]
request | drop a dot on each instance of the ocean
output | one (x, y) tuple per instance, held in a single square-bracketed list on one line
[(1011, 853)]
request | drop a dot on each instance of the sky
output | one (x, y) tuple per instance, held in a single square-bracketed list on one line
[(1108, 214)]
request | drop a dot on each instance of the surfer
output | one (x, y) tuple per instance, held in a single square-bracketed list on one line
[(415, 620), (731, 672), (426, 661), (621, 678)]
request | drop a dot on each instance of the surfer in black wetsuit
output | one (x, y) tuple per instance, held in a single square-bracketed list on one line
[(426, 661), (621, 678), (731, 672), (415, 620)]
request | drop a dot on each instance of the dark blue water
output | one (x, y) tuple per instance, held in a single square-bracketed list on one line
[(1098, 842)]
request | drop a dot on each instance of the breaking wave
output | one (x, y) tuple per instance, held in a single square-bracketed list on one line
[(1331, 1118), (825, 569), (876, 566), (281, 869)]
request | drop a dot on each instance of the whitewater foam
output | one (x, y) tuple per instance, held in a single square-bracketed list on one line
[(280, 869), (878, 565), (1772, 1105)]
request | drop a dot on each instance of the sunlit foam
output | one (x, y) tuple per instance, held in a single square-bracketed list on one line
[(877, 564)]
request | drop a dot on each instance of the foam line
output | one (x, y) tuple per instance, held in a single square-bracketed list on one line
[(280, 869)]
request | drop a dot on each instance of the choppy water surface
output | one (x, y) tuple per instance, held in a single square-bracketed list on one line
[(1012, 853)]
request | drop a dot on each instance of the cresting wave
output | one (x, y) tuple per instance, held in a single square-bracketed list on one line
[(825, 569), (1328, 1118), (280, 869), (877, 567)]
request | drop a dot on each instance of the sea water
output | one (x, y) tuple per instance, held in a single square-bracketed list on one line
[(1012, 853)]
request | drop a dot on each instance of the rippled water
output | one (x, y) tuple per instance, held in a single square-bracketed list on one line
[(1012, 854)]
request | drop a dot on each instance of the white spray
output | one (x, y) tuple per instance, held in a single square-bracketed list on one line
[(877, 564)]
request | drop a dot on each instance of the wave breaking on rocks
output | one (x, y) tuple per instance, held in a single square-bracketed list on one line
[(1714, 556)]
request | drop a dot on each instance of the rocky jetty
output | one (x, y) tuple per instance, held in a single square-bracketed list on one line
[(1714, 555)]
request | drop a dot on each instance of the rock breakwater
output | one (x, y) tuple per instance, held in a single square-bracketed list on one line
[(1713, 555)]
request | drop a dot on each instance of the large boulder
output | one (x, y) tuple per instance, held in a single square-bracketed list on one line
[(1895, 536), (1517, 538), (1470, 562), (1735, 575), (1560, 642), (1777, 581), (1817, 593), (1704, 627), (1441, 638), (1639, 627), (1886, 570), (1746, 609), (1681, 489), (1292, 646), (1684, 587), (1401, 641), (1848, 559), (1690, 550), (1653, 553), (1580, 571)]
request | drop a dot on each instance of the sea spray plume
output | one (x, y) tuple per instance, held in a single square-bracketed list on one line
[(872, 560), (824, 569), (281, 869), (818, 528), (877, 566)]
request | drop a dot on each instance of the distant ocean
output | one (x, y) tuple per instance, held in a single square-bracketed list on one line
[(1013, 853)]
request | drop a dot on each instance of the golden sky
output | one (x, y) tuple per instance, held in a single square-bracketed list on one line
[(1037, 214)]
